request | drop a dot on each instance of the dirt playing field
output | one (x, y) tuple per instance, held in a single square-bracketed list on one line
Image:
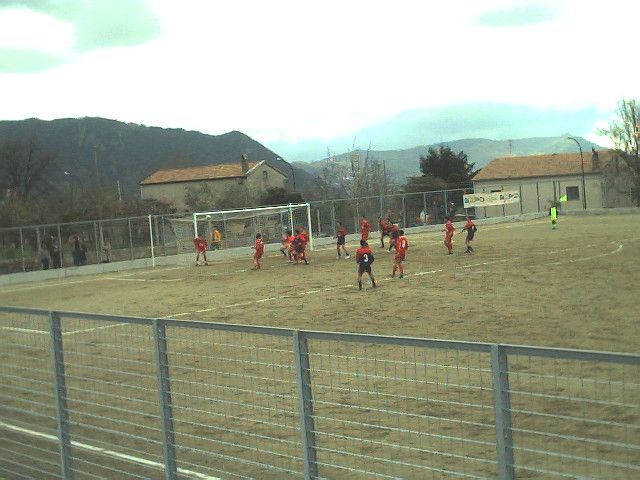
[(575, 287)]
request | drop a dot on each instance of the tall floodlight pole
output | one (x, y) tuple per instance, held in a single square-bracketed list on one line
[(584, 191)]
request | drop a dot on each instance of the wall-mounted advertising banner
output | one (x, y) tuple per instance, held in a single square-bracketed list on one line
[(490, 199)]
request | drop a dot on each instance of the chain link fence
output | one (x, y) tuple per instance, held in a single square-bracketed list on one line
[(53, 246), (98, 396)]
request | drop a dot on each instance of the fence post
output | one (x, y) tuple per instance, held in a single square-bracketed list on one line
[(381, 206), (64, 434), (305, 403), (24, 268), (95, 234), (333, 216), (502, 412), (130, 238), (424, 208), (164, 395), (404, 212)]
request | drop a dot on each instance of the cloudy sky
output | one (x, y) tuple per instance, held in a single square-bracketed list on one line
[(295, 73)]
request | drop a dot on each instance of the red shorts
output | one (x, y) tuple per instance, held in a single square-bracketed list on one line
[(257, 255), (364, 235), (200, 250), (399, 257)]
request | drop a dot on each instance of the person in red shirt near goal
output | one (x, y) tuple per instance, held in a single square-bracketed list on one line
[(364, 257), (341, 236), (201, 248), (365, 228), (449, 228), (383, 227), (471, 229), (402, 245), (259, 251)]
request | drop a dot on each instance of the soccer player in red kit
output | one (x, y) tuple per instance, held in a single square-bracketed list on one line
[(394, 233), (448, 236), (299, 244), (341, 236), (201, 248), (471, 229), (402, 245), (383, 226), (259, 251), (365, 228), (364, 257)]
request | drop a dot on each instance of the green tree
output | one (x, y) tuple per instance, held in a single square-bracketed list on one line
[(624, 132), (442, 169), (280, 196)]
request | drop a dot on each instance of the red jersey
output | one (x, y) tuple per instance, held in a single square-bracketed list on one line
[(469, 226), (259, 246), (200, 244), (449, 228), (402, 244), (364, 255)]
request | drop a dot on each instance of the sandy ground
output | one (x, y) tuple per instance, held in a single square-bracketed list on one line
[(575, 287)]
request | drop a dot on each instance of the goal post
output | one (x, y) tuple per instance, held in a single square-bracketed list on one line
[(239, 227)]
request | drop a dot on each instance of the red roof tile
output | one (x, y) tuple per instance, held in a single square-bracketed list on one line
[(541, 166), (208, 172)]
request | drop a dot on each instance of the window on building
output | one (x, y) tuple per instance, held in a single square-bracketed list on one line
[(573, 193)]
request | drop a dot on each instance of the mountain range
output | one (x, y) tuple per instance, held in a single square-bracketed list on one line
[(109, 152)]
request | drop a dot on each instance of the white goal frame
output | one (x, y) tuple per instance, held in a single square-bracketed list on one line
[(276, 208)]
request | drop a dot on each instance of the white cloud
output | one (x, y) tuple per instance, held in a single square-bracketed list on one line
[(22, 29), (298, 70)]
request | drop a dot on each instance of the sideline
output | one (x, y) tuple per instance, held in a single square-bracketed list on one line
[(104, 451)]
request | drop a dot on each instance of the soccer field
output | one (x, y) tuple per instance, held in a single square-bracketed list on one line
[(398, 410), (575, 287)]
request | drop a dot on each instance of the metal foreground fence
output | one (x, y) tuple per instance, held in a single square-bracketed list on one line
[(98, 396)]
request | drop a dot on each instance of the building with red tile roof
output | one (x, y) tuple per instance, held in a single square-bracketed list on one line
[(601, 179), (172, 185)]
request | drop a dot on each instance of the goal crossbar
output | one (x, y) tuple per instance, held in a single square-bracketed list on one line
[(246, 213)]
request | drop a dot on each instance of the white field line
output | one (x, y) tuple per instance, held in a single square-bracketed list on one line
[(94, 279), (104, 451), (414, 274), (73, 332)]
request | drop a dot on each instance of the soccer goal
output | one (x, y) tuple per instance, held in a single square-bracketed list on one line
[(238, 228)]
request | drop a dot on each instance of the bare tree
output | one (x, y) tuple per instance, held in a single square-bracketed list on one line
[(23, 167), (624, 132)]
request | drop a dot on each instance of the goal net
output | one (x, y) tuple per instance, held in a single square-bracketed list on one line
[(238, 228)]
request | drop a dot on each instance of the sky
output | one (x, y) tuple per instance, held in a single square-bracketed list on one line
[(302, 77)]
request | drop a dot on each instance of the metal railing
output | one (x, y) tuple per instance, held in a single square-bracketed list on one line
[(95, 396)]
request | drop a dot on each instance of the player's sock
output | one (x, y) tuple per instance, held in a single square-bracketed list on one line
[(360, 285), (401, 272), (393, 271), (373, 282), (348, 256)]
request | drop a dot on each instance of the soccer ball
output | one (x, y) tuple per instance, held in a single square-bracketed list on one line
[(208, 217)]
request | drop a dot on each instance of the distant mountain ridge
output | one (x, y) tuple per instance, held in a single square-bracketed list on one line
[(405, 163), (128, 152)]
